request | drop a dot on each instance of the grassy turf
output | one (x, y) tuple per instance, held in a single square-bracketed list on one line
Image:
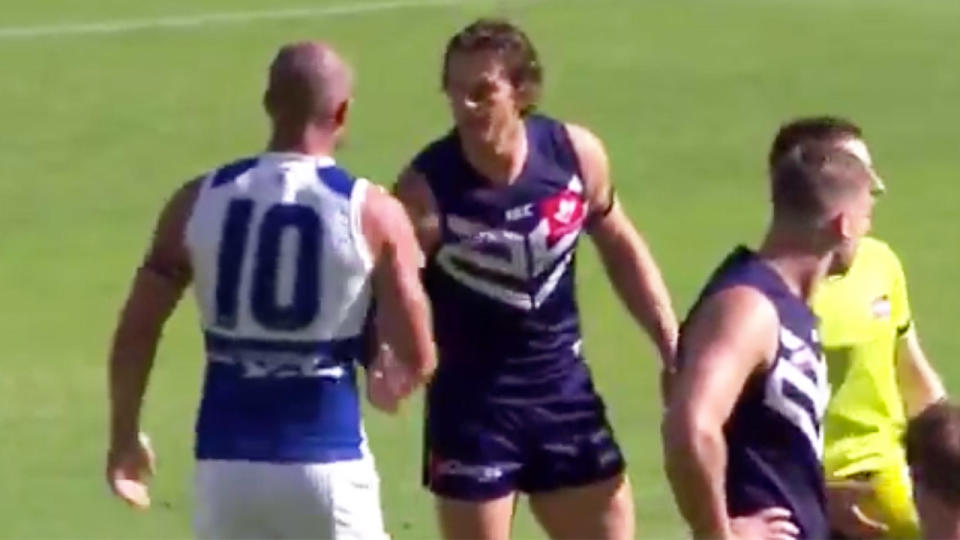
[(99, 129)]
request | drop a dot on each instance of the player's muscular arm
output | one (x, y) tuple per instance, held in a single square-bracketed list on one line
[(403, 314), (626, 257), (157, 287), (731, 336), (918, 381), (413, 191)]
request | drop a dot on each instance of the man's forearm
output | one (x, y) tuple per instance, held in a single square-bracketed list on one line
[(152, 299), (130, 366), (640, 285), (919, 383), (696, 466)]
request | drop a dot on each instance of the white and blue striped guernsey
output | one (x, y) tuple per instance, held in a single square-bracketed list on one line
[(281, 276)]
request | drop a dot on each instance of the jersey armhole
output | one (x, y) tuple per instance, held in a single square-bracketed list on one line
[(767, 370), (565, 143), (189, 228), (357, 199), (904, 328), (764, 370)]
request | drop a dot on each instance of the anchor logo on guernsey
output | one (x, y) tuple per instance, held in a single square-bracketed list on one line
[(520, 261)]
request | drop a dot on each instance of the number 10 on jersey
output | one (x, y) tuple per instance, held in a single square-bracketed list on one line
[(267, 258)]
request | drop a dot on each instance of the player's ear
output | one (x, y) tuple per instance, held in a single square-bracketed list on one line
[(524, 95), (268, 101), (839, 226), (341, 113)]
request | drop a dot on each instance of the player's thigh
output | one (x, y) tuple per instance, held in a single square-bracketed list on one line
[(575, 476), (472, 453), (472, 466), (227, 502), (603, 509), (355, 501), (489, 519), (338, 500)]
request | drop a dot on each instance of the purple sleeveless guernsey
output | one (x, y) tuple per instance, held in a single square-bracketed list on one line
[(774, 435), (512, 406)]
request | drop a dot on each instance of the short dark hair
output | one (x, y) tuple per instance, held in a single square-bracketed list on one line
[(824, 129), (932, 441), (517, 52), (809, 179)]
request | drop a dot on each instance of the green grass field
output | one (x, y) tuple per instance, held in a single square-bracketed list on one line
[(100, 127)]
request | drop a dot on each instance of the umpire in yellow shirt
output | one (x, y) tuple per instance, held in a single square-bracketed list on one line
[(878, 373)]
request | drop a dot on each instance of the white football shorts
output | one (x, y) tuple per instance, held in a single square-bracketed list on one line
[(243, 499)]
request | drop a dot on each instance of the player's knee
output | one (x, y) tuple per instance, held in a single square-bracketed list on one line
[(600, 510), (621, 516), (483, 520)]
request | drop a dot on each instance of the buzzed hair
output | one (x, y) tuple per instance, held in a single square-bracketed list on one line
[(307, 80), (811, 179), (823, 129), (932, 442)]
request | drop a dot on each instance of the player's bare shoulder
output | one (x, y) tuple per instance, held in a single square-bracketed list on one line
[(384, 219), (595, 168), (167, 255), (591, 153), (413, 191), (740, 319)]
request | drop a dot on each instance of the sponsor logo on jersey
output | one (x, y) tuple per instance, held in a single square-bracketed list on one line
[(881, 308), (485, 473)]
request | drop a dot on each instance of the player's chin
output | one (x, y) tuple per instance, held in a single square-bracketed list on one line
[(475, 130)]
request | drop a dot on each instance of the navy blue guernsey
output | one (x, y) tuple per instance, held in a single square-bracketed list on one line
[(774, 435), (501, 282)]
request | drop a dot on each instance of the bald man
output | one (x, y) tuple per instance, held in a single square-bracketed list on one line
[(285, 251)]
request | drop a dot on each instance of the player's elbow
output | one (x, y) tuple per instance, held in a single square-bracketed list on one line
[(688, 435)]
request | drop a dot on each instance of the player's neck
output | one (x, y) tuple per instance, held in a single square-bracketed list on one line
[(941, 521), (799, 265), (947, 529), (502, 162), (302, 141)]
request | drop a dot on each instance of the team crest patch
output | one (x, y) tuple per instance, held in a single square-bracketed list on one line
[(564, 213), (880, 308)]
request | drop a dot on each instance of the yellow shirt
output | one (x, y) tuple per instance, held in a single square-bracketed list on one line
[(862, 315)]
